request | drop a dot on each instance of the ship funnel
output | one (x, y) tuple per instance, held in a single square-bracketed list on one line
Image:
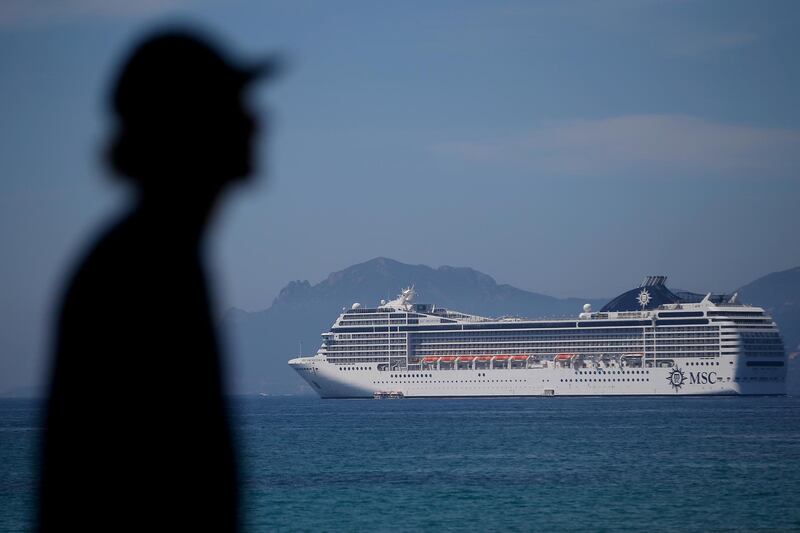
[(652, 281)]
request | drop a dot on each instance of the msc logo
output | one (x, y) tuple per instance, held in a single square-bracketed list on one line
[(676, 378), (702, 378)]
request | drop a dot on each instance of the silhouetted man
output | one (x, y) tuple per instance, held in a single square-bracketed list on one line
[(137, 433)]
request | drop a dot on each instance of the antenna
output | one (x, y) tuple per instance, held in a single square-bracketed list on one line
[(301, 348)]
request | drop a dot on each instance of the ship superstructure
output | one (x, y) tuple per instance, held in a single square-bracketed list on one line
[(647, 341)]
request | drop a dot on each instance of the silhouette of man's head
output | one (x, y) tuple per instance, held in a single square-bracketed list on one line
[(181, 114)]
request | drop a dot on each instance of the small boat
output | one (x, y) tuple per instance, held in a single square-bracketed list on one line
[(388, 395)]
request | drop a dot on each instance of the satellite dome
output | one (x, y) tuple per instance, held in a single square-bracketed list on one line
[(355, 305), (587, 308)]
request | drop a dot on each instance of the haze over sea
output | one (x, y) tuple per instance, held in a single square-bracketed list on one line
[(524, 464)]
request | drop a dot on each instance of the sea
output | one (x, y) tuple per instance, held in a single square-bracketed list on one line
[(646, 464)]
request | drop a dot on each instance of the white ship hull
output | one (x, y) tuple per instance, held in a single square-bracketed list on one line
[(329, 381)]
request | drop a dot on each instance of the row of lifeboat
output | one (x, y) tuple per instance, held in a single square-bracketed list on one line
[(559, 358), (470, 358)]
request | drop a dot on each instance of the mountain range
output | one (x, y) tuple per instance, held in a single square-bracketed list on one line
[(264, 341)]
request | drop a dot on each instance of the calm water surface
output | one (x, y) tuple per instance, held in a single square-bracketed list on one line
[(533, 464)]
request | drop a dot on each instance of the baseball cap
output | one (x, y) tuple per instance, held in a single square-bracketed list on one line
[(180, 71)]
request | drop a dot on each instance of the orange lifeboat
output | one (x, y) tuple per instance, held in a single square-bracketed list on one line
[(483, 358), (564, 356), (501, 357), (466, 358), (429, 359), (448, 359), (519, 357)]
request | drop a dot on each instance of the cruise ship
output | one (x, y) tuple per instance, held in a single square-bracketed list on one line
[(647, 341)]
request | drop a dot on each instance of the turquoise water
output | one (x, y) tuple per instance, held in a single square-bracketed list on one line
[(533, 464)]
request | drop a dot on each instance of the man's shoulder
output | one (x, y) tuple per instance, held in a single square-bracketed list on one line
[(110, 262)]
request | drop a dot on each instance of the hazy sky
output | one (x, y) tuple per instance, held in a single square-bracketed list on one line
[(565, 147)]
